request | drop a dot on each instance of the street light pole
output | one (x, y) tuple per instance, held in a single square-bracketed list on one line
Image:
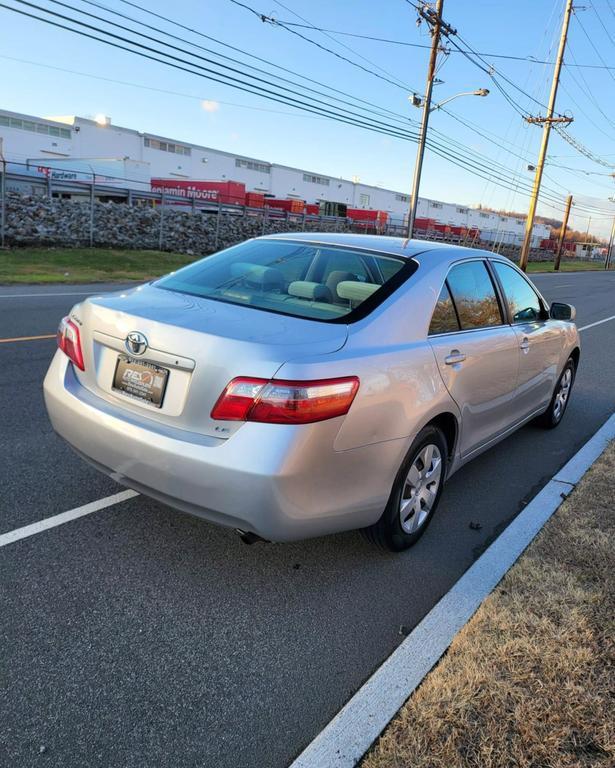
[(420, 150), (477, 92)]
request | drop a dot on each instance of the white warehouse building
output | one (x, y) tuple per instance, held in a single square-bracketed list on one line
[(131, 158)]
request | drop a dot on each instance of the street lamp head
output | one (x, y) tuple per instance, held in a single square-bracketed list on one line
[(482, 92)]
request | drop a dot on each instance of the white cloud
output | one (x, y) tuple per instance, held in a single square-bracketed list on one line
[(210, 106)]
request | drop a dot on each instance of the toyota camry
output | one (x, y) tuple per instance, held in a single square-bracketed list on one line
[(301, 384)]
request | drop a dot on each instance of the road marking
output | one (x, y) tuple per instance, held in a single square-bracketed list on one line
[(598, 322), (358, 724), (30, 295), (64, 517), (28, 338)]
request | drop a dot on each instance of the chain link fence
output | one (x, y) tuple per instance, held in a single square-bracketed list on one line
[(52, 207)]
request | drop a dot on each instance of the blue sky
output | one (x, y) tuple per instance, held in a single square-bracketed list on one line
[(241, 122)]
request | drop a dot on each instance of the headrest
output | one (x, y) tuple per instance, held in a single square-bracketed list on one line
[(256, 276), (336, 277), (303, 289), (356, 291)]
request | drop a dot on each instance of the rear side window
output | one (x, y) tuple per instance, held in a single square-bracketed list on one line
[(474, 296), (523, 302), (309, 280), (444, 318)]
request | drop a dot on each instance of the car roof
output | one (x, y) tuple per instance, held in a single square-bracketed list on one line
[(396, 246)]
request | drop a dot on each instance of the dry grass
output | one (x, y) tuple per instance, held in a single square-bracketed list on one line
[(574, 265), (530, 681)]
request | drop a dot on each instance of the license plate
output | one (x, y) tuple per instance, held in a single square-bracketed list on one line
[(139, 379)]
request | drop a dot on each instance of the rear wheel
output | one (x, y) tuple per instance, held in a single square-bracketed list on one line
[(561, 396), (415, 495)]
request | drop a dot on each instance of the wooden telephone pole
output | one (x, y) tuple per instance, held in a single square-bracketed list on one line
[(434, 19), (546, 122), (607, 260), (562, 234)]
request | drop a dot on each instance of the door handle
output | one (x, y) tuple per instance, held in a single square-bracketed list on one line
[(525, 345), (454, 358)]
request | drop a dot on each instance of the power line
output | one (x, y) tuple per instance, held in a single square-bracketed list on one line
[(437, 148), (591, 42), (433, 145), (342, 114), (587, 90), (201, 34), (443, 137), (492, 71), (406, 43), (337, 42), (469, 52), (142, 86), (602, 24), (581, 148), (274, 22), (380, 111), (233, 82), (584, 113)]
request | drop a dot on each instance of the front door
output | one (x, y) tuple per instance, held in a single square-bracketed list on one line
[(477, 354), (539, 340)]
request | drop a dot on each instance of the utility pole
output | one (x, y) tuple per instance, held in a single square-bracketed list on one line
[(562, 234), (607, 261), (546, 121), (434, 19)]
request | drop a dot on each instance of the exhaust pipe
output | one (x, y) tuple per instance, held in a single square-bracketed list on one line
[(250, 538)]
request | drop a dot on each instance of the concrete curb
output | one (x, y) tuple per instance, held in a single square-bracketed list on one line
[(345, 740)]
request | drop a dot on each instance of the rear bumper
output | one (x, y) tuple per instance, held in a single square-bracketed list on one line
[(281, 482)]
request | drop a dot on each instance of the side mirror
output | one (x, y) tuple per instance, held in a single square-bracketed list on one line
[(561, 311)]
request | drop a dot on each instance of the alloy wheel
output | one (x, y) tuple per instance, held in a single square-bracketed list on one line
[(561, 398), (420, 489)]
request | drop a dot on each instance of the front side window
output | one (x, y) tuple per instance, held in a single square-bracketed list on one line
[(315, 281), (444, 318), (474, 295), (523, 302)]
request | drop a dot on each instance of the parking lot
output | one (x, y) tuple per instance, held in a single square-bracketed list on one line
[(139, 636)]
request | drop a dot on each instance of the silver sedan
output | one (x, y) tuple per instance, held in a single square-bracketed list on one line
[(301, 384)]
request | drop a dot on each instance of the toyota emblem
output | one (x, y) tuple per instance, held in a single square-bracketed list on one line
[(136, 343)]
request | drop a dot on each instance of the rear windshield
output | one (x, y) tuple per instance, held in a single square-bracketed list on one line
[(319, 282)]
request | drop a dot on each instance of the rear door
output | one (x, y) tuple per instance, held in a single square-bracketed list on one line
[(539, 339), (477, 353)]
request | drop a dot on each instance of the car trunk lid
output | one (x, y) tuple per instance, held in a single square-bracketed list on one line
[(199, 345)]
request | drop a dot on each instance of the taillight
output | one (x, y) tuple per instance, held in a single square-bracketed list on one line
[(285, 402), (69, 341)]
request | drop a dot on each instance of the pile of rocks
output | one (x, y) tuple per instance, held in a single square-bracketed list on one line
[(37, 220)]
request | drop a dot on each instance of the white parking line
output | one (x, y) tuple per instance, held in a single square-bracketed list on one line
[(359, 723), (64, 517), (598, 322)]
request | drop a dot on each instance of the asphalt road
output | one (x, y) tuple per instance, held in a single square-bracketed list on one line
[(138, 636)]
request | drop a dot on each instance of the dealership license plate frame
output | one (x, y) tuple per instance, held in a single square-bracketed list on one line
[(142, 391)]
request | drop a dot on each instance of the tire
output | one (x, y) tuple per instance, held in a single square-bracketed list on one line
[(409, 511), (552, 417)]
